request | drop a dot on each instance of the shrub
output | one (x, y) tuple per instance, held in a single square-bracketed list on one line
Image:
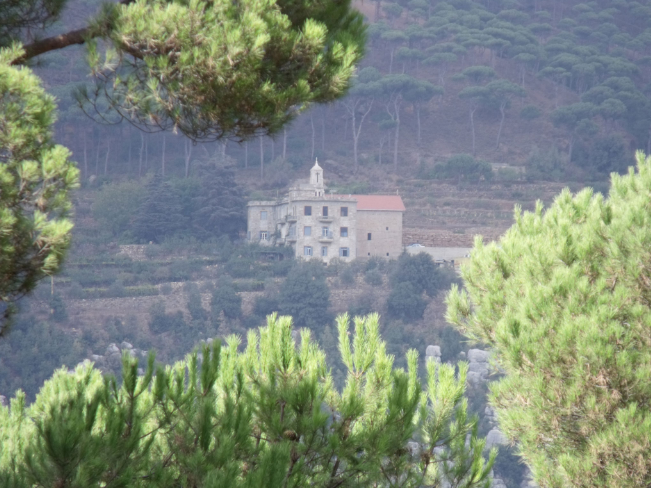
[(305, 295), (545, 165), (58, 308), (265, 305), (240, 267), (463, 167), (603, 156), (225, 299), (405, 303), (373, 277), (161, 322), (530, 112), (116, 205), (422, 274)]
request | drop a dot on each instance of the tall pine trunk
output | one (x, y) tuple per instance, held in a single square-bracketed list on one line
[(261, 159), (499, 132), (163, 157), (142, 149), (108, 151)]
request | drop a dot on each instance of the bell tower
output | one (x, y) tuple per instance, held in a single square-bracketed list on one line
[(316, 179)]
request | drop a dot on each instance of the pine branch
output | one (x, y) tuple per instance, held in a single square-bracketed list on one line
[(79, 36)]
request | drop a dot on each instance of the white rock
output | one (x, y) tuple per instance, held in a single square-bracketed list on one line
[(498, 483), (478, 356), (126, 345), (112, 349), (474, 378), (434, 351), (481, 368), (3, 401), (495, 438), (96, 358)]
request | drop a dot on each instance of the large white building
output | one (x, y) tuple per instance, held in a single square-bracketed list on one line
[(317, 224)]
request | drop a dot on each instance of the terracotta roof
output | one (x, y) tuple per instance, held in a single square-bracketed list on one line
[(379, 202)]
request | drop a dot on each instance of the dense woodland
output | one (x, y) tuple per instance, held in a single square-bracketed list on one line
[(561, 88)]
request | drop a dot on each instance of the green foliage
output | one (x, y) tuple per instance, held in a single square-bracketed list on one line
[(220, 206), (225, 80), (58, 309), (545, 165), (530, 112), (31, 352), (561, 300), (116, 205), (305, 296), (161, 322), (225, 299), (603, 156), (373, 277), (197, 312), (159, 215), (267, 416), (462, 167), (36, 177), (405, 302)]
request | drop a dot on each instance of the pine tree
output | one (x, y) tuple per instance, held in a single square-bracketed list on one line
[(305, 295), (159, 215), (563, 300), (36, 177), (220, 205), (266, 416)]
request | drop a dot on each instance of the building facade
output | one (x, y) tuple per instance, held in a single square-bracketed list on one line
[(326, 226)]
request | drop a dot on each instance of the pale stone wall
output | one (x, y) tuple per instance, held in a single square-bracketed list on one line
[(385, 227), (333, 223)]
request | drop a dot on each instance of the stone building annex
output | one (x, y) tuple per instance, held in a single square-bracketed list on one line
[(328, 226)]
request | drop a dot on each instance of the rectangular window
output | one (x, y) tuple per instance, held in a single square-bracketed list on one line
[(343, 232), (325, 211), (324, 251), (344, 211), (263, 215), (368, 236), (307, 251), (325, 232), (307, 230), (264, 235), (307, 210), (344, 252)]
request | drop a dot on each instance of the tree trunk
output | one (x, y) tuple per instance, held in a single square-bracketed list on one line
[(284, 144), (273, 149), (571, 149), (261, 158), (187, 150), (85, 156), (142, 148), (163, 157), (129, 164), (323, 124), (108, 151), (246, 154), (97, 159), (499, 132), (146, 153), (312, 124), (417, 109), (396, 105), (472, 128), (391, 61)]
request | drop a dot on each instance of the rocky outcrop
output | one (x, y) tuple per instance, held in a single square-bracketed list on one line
[(433, 353), (111, 360), (478, 367)]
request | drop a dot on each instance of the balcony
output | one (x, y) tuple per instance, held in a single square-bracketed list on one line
[(326, 237), (324, 218), (291, 237), (291, 218)]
